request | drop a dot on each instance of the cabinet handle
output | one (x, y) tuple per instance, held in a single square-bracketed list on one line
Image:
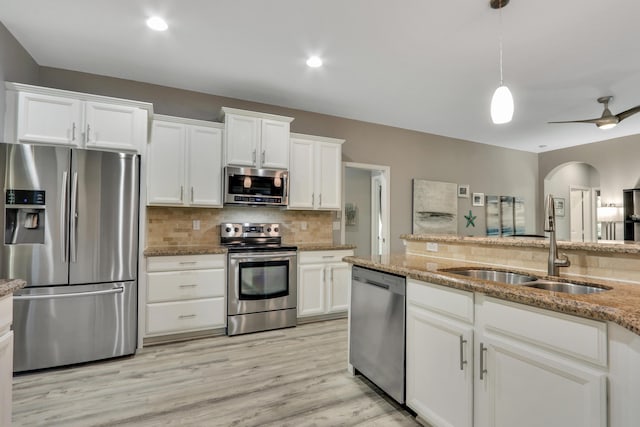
[(331, 275), (188, 262), (191, 194), (88, 132), (313, 199), (188, 286), (320, 204), (462, 345), (73, 132), (181, 193), (186, 316), (254, 156), (483, 370), (327, 256), (262, 156)]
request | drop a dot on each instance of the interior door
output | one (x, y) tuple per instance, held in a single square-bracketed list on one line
[(44, 169), (103, 242)]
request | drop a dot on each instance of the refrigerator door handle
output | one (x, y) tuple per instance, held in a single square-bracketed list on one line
[(74, 218), (63, 217), (116, 290)]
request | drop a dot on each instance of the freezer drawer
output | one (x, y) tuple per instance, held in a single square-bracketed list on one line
[(56, 326)]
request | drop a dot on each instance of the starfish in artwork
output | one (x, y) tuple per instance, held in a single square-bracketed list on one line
[(471, 218)]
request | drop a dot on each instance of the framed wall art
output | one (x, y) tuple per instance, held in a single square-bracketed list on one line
[(435, 207)]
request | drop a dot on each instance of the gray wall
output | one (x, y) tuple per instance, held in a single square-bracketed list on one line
[(616, 160), (410, 154), (16, 65)]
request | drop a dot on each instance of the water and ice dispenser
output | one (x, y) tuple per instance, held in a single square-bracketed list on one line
[(24, 217)]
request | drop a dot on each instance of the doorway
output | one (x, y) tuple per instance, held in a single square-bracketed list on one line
[(581, 208), (365, 208)]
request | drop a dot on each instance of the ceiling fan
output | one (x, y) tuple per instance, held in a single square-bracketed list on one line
[(607, 120)]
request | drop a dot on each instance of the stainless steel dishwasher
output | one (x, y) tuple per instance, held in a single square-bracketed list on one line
[(378, 329)]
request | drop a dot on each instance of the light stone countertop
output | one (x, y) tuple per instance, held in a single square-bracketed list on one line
[(620, 304), (603, 246), (9, 286), (171, 250)]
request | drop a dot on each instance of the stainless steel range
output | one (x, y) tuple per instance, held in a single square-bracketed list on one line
[(261, 278)]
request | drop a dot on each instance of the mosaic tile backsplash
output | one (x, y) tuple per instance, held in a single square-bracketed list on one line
[(168, 226)]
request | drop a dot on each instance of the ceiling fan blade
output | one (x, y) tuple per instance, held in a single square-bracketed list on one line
[(629, 112), (581, 121)]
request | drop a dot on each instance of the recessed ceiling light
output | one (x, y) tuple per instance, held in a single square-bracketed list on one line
[(156, 23), (314, 62)]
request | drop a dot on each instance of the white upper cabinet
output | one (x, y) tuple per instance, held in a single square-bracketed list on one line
[(256, 140), (315, 175), (184, 166), (50, 116)]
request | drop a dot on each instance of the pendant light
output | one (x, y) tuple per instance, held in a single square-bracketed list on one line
[(502, 100)]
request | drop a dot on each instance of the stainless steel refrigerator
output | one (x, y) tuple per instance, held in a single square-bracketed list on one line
[(71, 231)]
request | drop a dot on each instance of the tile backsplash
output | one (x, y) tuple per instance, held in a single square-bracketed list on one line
[(169, 226)]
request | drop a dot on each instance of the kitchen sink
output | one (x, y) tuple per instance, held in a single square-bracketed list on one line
[(566, 287), (495, 276)]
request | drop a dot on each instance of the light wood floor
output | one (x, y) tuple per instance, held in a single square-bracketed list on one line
[(289, 377)]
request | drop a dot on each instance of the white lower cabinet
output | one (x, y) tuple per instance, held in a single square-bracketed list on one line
[(6, 359), (536, 367), (185, 294), (473, 360), (323, 282), (439, 354)]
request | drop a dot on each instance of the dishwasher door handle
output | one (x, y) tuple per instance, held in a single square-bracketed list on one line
[(369, 282)]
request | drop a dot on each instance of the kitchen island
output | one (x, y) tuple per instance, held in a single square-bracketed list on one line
[(7, 288), (485, 353)]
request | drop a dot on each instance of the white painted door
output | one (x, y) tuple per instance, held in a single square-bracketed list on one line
[(439, 353), (165, 164), (338, 284), (115, 127), (301, 178), (242, 134), (527, 388), (311, 290), (581, 221), (274, 142), (49, 119), (204, 166), (328, 175)]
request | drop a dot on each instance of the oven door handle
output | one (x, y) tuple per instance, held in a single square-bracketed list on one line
[(262, 255)]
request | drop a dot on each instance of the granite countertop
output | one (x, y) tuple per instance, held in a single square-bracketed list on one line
[(620, 304), (171, 250), (606, 246), (184, 250), (9, 286), (322, 247)]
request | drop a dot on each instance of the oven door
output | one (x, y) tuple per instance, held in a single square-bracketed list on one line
[(261, 281)]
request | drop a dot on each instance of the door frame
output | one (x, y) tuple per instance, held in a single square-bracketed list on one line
[(385, 173)]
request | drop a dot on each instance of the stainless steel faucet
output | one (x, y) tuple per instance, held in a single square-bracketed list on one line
[(555, 261)]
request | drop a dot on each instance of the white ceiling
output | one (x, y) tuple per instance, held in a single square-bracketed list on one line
[(425, 65)]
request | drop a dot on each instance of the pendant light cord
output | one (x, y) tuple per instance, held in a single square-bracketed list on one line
[(500, 42)]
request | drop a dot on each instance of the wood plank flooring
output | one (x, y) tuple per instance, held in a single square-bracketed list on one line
[(289, 377)]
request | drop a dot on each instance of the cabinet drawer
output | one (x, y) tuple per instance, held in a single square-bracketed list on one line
[(441, 299), (185, 262), (583, 339), (6, 312), (308, 257), (183, 285), (172, 317)]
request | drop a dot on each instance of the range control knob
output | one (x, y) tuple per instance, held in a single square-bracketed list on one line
[(276, 229), (268, 229), (236, 229), (228, 229)]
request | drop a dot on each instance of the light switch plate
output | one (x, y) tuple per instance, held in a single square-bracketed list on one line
[(336, 225), (196, 224), (432, 247)]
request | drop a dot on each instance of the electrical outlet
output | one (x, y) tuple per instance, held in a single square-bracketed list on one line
[(432, 247), (336, 225), (196, 224), (303, 225)]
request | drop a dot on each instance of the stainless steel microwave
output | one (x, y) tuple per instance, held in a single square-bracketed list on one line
[(246, 186)]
